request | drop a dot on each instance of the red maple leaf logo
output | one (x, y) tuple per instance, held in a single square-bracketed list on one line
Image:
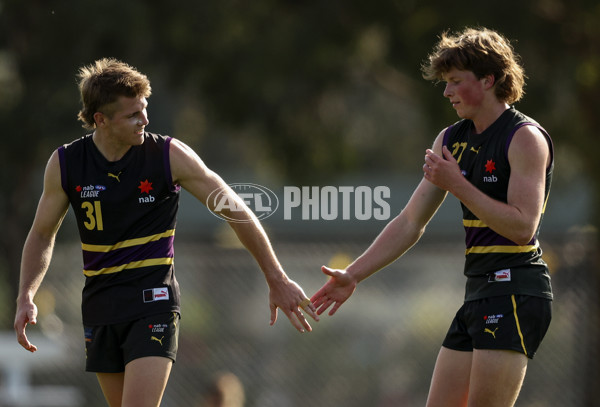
[(145, 186), (490, 166), (78, 188)]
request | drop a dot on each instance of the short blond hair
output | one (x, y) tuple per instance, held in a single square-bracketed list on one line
[(102, 82), (482, 51)]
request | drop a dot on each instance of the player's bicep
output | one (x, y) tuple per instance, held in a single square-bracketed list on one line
[(189, 171), (528, 155), (424, 203), (438, 143), (53, 204), (427, 198)]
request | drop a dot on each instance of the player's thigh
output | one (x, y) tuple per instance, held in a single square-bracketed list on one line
[(112, 387), (450, 380), (496, 377), (145, 381)]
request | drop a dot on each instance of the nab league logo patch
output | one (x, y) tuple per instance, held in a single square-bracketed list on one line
[(90, 191)]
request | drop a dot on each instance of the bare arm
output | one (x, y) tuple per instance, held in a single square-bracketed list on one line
[(37, 251), (518, 218), (192, 174), (400, 234)]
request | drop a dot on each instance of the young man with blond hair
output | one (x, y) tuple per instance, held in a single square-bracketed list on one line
[(123, 184)]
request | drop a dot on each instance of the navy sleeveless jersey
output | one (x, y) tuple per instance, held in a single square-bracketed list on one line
[(494, 265), (126, 215)]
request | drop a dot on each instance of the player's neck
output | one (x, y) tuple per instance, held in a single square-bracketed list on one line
[(109, 147), (488, 115)]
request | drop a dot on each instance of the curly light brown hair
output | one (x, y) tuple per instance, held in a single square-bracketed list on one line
[(483, 52), (103, 82)]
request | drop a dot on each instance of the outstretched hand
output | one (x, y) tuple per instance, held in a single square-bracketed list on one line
[(290, 298), (335, 291)]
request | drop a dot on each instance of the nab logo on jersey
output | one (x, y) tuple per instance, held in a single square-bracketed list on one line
[(490, 166), (145, 188)]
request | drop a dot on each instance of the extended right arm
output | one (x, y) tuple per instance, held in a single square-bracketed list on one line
[(400, 234), (37, 252)]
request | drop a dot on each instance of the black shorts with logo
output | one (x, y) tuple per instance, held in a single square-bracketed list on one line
[(513, 322), (110, 347)]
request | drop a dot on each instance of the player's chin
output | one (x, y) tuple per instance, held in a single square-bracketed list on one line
[(139, 138)]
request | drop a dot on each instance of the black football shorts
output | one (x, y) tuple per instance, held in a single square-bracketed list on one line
[(514, 322), (110, 347)]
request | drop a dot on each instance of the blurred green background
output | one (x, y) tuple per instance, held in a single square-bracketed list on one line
[(298, 93)]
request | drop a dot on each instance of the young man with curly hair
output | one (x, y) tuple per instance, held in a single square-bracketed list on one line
[(498, 163)]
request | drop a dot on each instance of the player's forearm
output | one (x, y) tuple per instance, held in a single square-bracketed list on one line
[(37, 253), (255, 240), (394, 240), (504, 219)]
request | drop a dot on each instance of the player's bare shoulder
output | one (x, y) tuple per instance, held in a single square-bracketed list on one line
[(529, 144), (184, 161)]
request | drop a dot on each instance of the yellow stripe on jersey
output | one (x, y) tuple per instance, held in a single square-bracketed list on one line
[(133, 265), (127, 243), (502, 249), (474, 223)]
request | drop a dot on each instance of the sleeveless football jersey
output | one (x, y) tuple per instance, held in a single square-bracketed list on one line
[(494, 264), (126, 215)]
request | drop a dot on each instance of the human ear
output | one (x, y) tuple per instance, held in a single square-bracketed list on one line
[(489, 81), (99, 119)]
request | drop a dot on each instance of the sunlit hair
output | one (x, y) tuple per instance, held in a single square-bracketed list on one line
[(103, 82), (483, 52)]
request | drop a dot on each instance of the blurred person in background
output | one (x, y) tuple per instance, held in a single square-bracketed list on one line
[(498, 163), (225, 390), (123, 184)]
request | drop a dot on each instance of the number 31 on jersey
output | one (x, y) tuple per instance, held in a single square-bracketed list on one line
[(93, 212)]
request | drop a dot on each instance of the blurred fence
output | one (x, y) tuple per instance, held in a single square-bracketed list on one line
[(377, 351)]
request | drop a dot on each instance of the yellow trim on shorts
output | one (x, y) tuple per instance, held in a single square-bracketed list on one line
[(514, 303)]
